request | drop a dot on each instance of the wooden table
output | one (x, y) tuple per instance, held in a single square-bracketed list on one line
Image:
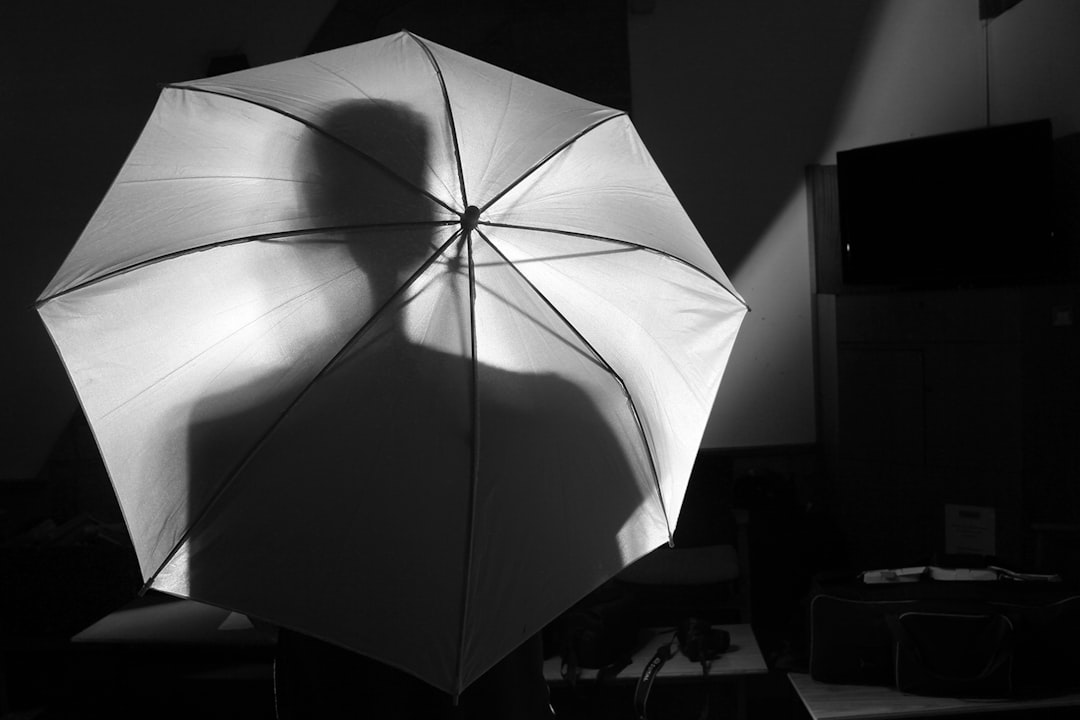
[(162, 620), (826, 701), (168, 657), (744, 658), (741, 660), (170, 626)]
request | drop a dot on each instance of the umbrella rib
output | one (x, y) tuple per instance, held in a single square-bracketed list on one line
[(470, 539), (234, 473), (449, 114), (232, 241), (606, 365), (547, 158), (315, 128), (624, 243)]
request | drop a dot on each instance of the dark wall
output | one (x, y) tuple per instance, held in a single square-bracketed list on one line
[(579, 47)]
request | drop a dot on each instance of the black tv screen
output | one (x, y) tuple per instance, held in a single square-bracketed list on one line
[(964, 209)]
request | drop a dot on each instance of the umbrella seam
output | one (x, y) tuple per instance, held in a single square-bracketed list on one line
[(231, 476), (496, 137), (614, 374), (625, 243), (547, 158), (301, 298), (509, 303), (315, 128), (449, 115), (229, 242), (375, 100)]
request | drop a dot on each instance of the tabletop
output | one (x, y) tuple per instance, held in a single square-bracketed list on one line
[(743, 658), (828, 701)]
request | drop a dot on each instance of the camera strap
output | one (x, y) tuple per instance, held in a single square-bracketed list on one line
[(700, 643), (648, 675)]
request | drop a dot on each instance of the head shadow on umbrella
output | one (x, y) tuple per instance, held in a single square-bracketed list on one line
[(379, 488)]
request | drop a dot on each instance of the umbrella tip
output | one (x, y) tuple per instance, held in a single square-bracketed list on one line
[(469, 219)]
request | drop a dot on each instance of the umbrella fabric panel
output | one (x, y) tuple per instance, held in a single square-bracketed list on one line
[(340, 91), (506, 124), (208, 169), (349, 522), (606, 184), (621, 298), (562, 467), (251, 320), (324, 405)]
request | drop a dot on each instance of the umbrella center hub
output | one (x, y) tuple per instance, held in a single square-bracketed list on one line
[(469, 219)]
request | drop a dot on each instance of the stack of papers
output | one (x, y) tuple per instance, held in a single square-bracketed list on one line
[(907, 574), (933, 572)]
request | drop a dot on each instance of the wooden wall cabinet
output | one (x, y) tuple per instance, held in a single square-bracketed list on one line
[(965, 396)]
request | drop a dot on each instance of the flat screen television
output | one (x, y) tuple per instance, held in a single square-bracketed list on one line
[(964, 209)]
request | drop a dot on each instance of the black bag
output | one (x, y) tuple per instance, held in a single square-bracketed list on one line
[(955, 639), (954, 654)]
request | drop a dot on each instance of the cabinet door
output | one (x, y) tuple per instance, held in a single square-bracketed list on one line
[(974, 408), (881, 404), (881, 491)]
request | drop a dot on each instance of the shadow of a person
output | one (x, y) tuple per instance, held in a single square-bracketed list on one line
[(427, 488)]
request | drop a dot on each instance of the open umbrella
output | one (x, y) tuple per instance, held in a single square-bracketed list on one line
[(394, 348)]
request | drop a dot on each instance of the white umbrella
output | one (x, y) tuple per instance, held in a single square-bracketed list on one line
[(394, 348)]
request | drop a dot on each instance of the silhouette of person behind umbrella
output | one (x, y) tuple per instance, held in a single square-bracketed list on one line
[(376, 416)]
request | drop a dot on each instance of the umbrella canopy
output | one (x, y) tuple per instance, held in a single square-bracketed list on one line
[(392, 347)]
